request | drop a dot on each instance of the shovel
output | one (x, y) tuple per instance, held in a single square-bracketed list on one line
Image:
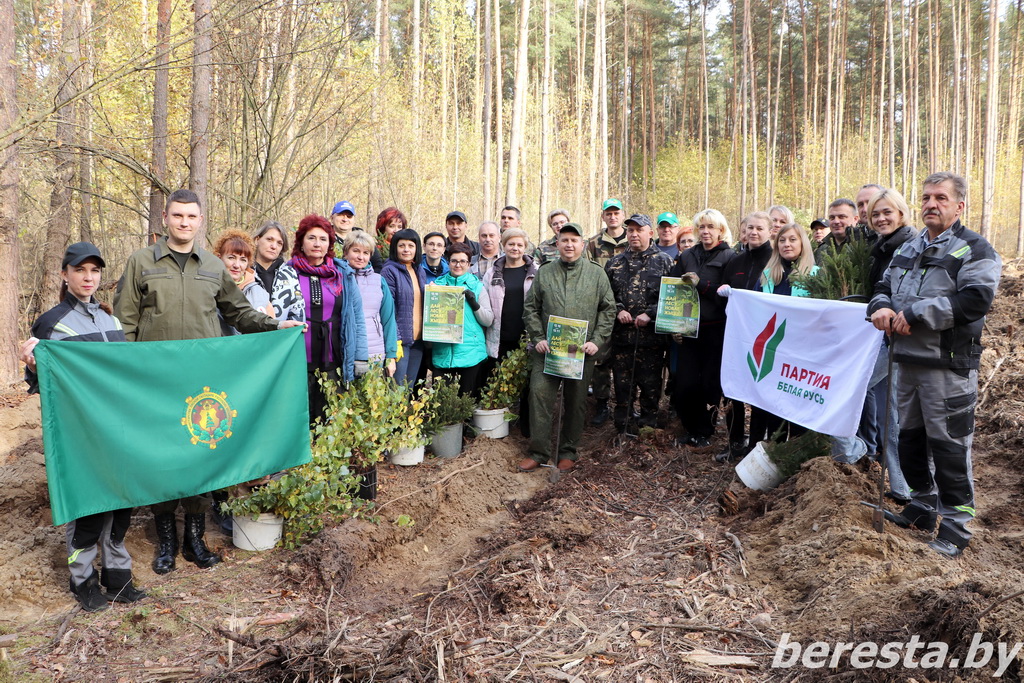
[(555, 474), (878, 509)]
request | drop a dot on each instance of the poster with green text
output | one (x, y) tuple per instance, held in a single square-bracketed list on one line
[(565, 357), (678, 308), (443, 309)]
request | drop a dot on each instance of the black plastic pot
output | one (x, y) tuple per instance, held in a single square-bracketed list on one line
[(367, 483)]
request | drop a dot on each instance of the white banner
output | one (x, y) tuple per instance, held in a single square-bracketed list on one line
[(805, 360)]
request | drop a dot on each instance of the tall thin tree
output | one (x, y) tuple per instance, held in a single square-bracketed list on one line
[(202, 77), (991, 120), (10, 263)]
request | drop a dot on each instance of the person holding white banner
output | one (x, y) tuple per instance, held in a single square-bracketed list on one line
[(744, 272), (698, 389), (932, 301), (791, 251)]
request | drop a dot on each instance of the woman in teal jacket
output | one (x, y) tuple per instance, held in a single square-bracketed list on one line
[(464, 360)]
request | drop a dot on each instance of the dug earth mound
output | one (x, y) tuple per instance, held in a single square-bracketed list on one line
[(626, 569)]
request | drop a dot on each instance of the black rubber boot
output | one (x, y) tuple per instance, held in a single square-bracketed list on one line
[(167, 543), (89, 594), (600, 414), (118, 583), (193, 547)]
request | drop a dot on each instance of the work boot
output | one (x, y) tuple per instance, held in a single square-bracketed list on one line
[(193, 547), (600, 414), (88, 594), (120, 588), (167, 542)]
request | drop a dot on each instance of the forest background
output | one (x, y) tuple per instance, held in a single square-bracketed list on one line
[(273, 109)]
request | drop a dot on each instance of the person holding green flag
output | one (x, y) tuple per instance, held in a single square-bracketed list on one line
[(172, 290), (79, 317)]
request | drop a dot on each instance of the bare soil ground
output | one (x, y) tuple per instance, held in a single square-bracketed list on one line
[(628, 569)]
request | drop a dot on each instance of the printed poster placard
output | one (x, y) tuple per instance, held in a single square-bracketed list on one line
[(443, 309), (566, 337), (678, 308)]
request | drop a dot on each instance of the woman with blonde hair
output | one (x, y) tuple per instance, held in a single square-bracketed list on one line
[(781, 216), (791, 250), (698, 388), (889, 216)]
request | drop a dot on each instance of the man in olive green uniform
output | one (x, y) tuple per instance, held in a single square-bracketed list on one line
[(602, 248), (571, 287), (173, 289)]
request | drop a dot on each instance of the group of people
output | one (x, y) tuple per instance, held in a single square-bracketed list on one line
[(360, 298)]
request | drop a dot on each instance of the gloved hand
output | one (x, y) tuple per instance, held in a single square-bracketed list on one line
[(725, 291), (474, 305), (690, 278)]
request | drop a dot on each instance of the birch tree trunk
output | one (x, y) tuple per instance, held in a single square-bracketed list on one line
[(10, 263), (991, 120), (518, 105), (199, 144), (499, 99), (417, 68)]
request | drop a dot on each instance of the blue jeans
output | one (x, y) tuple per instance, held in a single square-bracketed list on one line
[(408, 367), (851, 449)]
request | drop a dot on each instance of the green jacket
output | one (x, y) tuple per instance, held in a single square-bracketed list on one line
[(156, 301), (602, 247), (579, 290)]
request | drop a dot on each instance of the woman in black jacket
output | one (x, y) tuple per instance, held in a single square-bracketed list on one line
[(79, 317), (698, 389), (743, 272)]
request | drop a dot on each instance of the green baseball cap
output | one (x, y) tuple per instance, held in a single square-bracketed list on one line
[(611, 204), (668, 217)]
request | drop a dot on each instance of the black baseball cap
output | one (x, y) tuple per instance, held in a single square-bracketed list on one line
[(639, 219), (571, 227), (80, 251), (456, 214), (819, 221)]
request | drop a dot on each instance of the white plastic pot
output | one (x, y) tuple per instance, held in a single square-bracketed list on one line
[(261, 533), (757, 471), (491, 423), (408, 456), (447, 443)]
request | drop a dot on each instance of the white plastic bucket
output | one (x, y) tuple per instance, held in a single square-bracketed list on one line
[(757, 471), (261, 533), (447, 443), (408, 456), (491, 423)]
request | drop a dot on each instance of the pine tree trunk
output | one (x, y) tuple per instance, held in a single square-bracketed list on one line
[(499, 124), (199, 144), (518, 105), (488, 202), (545, 125), (160, 93), (10, 263), (991, 120), (58, 218)]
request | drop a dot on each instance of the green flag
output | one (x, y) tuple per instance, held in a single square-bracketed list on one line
[(134, 423)]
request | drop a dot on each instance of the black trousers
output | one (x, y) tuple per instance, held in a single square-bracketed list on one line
[(698, 389)]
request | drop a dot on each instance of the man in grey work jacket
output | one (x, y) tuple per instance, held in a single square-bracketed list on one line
[(933, 299)]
